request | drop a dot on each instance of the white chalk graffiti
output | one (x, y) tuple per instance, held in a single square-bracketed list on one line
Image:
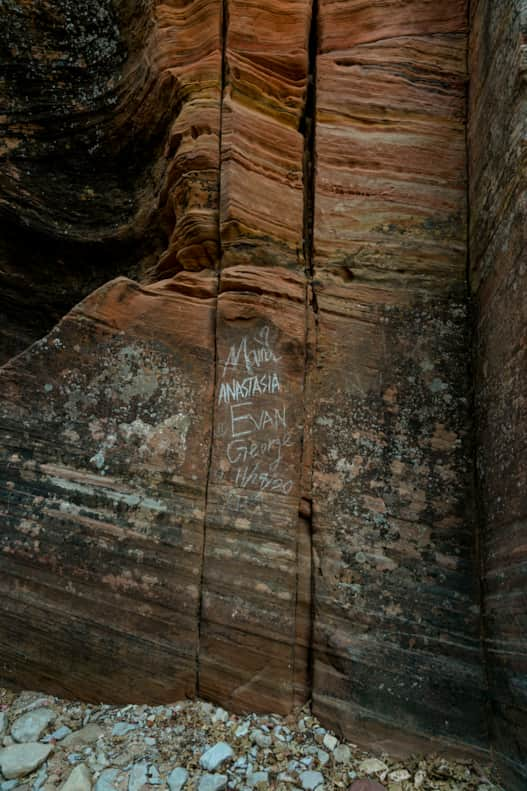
[(254, 424), (248, 387), (244, 422), (251, 354)]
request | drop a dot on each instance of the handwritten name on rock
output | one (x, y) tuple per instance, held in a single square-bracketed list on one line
[(254, 410), (251, 354)]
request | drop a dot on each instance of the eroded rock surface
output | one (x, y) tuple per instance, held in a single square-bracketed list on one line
[(119, 429), (396, 627), (250, 475), (499, 279)]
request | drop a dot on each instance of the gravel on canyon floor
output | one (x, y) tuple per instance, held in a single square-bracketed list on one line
[(50, 744)]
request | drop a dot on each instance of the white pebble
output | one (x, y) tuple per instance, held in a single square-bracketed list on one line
[(330, 741), (215, 756), (311, 780), (212, 782), (177, 778)]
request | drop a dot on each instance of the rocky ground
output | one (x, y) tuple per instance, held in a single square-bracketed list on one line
[(51, 744)]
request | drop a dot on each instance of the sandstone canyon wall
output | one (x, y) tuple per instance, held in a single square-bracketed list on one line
[(396, 594), (250, 474), (499, 279)]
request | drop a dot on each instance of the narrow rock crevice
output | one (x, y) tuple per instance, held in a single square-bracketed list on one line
[(307, 128), (218, 263), (223, 87)]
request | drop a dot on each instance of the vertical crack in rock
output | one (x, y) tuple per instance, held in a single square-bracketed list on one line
[(307, 128), (218, 264)]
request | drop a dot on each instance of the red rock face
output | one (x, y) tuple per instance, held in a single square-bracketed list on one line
[(106, 434), (262, 149), (252, 478), (498, 279), (249, 651), (396, 591)]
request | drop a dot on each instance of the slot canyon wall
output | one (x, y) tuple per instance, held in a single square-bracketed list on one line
[(498, 275), (237, 429)]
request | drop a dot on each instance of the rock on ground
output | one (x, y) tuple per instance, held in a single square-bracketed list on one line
[(213, 758), (79, 780), (30, 726), (177, 778), (19, 760), (175, 746)]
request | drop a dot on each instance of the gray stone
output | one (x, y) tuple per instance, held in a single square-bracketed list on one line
[(311, 780), (400, 775), (212, 782), (106, 781), (177, 778), (40, 779), (295, 766), (215, 756), (87, 735), (138, 776), (8, 785), (30, 726), (255, 778), (241, 764), (372, 766), (79, 779), (323, 757), (19, 760), (342, 754), (330, 741), (57, 735), (153, 776), (261, 739), (242, 730), (3, 722), (122, 728)]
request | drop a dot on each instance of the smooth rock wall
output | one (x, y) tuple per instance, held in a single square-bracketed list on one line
[(498, 242), (396, 634)]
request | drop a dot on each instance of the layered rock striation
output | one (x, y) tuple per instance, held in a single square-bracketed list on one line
[(250, 474), (396, 589), (498, 280)]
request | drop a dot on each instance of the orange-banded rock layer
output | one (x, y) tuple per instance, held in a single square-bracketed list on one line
[(390, 160), (396, 599), (176, 566), (171, 500), (110, 128), (105, 436), (262, 199), (188, 47), (345, 23)]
